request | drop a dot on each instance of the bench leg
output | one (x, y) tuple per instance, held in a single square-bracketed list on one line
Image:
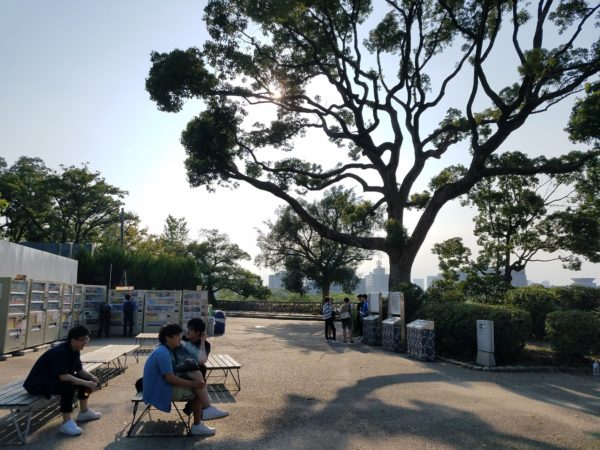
[(22, 434)]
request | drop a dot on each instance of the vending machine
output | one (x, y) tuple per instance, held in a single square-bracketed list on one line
[(66, 311), (161, 307), (53, 306), (36, 315), (194, 304), (93, 297), (13, 315), (77, 314)]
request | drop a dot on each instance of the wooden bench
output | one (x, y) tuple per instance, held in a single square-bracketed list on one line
[(139, 398), (15, 398), (218, 362), (111, 355), (146, 342)]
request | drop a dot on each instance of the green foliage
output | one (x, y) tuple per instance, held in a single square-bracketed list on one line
[(217, 264), (573, 334), (536, 300), (413, 299), (578, 297), (445, 291), (456, 331), (175, 235), (584, 124), (74, 205)]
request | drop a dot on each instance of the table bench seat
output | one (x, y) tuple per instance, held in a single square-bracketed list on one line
[(219, 362)]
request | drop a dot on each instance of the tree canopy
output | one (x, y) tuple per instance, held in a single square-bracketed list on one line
[(374, 78), (73, 205)]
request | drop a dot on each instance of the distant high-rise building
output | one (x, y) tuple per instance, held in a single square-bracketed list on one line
[(545, 283), (276, 280), (519, 279), (377, 280), (588, 282), (432, 278)]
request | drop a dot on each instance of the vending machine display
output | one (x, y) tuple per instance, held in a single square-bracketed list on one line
[(36, 316), (93, 296), (117, 297), (77, 314), (66, 311), (161, 307), (53, 306), (13, 315), (194, 304)]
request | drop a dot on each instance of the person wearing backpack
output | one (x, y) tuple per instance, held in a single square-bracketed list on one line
[(129, 309)]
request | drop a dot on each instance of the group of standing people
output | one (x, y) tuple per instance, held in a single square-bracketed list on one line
[(105, 315), (345, 316)]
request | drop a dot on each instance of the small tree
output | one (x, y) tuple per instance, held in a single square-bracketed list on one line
[(294, 245), (218, 267)]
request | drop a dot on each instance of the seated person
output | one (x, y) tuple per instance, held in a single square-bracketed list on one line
[(193, 353), (162, 386), (59, 372)]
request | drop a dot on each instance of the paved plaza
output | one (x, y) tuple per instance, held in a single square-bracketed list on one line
[(300, 392)]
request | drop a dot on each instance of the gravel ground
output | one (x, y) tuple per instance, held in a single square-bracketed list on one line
[(300, 392)]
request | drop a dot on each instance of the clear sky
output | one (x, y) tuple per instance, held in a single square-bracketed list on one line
[(72, 92)]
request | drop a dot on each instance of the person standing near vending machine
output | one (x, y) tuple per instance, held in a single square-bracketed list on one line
[(105, 316), (129, 310)]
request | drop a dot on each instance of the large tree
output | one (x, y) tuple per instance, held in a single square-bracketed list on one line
[(374, 78), (84, 205), (73, 205), (292, 244), (23, 186), (218, 267)]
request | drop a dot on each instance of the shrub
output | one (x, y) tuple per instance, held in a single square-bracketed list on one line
[(536, 300), (456, 333), (413, 299), (573, 334), (578, 297)]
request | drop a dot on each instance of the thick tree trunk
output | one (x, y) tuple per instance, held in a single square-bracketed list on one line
[(400, 268)]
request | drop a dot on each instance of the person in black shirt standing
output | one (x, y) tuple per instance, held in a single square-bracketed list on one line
[(59, 372), (129, 309)]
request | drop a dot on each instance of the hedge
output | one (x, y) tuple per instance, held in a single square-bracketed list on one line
[(538, 301), (456, 333), (573, 334)]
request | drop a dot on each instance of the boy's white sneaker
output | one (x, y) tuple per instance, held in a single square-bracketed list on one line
[(202, 430), (212, 413), (70, 428), (88, 415)]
